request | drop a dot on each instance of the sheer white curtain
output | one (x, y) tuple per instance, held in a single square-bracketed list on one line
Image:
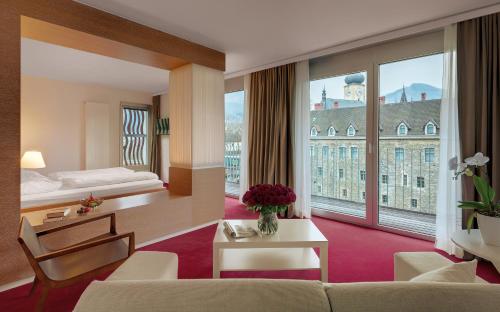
[(244, 139), (302, 161), (448, 216)]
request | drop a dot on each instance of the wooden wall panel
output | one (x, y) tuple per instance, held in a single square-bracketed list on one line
[(70, 38), (86, 19), (208, 117), (12, 259), (180, 98)]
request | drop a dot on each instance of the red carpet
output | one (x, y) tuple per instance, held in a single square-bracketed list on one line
[(355, 254)]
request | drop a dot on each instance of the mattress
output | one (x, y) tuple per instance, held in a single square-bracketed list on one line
[(69, 195)]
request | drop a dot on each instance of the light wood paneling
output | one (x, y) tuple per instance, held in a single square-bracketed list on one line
[(73, 15), (66, 37), (208, 117), (180, 99)]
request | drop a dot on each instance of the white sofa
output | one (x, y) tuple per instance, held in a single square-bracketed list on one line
[(245, 295)]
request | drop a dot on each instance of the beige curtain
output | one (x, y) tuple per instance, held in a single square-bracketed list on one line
[(155, 157), (478, 54), (270, 137)]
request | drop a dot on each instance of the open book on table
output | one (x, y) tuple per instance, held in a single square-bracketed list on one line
[(238, 231)]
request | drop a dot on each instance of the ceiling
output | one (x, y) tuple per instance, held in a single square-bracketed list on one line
[(56, 62), (258, 32)]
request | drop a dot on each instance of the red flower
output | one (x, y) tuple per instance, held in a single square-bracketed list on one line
[(269, 195)]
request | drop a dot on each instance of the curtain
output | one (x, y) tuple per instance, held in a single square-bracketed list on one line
[(448, 216), (244, 139), (302, 161), (155, 156), (270, 127), (478, 55)]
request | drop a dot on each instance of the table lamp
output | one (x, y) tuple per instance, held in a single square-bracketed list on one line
[(32, 160)]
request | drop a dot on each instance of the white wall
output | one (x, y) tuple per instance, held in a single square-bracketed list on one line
[(52, 119), (165, 162)]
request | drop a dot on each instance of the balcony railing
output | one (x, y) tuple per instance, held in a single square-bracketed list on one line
[(407, 181), (232, 153)]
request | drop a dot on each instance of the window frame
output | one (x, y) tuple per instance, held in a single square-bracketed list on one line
[(315, 132), (434, 127), (149, 135), (400, 126)]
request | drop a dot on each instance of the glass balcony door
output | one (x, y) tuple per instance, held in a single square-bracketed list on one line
[(338, 136), (233, 125), (409, 101)]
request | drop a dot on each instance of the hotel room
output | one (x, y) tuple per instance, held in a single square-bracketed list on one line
[(260, 156)]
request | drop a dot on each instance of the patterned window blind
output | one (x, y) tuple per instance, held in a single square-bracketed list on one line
[(135, 136)]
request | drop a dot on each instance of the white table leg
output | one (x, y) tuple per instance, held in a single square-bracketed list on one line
[(323, 261), (215, 262)]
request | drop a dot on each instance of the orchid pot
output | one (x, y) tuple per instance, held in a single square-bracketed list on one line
[(268, 200), (487, 211)]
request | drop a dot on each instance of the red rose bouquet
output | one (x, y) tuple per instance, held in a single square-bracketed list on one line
[(268, 200)]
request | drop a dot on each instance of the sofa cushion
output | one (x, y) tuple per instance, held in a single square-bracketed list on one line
[(408, 265), (413, 297), (242, 295), (149, 265), (463, 272)]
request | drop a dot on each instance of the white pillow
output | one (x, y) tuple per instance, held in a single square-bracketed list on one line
[(40, 186), (30, 175), (72, 174), (462, 272)]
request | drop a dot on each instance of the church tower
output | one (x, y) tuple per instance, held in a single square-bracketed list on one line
[(355, 89), (323, 96), (403, 96)]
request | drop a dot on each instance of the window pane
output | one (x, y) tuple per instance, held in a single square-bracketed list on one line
[(409, 107), (233, 121), (135, 136), (338, 113)]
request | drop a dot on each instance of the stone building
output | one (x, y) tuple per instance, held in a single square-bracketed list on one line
[(408, 154)]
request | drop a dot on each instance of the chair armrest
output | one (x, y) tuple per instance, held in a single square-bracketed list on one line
[(112, 224), (76, 248)]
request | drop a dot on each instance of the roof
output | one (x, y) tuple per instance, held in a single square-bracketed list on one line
[(414, 114)]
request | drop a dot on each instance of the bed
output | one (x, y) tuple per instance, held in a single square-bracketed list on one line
[(68, 187)]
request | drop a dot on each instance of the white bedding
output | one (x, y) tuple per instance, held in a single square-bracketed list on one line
[(67, 186), (68, 195), (89, 180)]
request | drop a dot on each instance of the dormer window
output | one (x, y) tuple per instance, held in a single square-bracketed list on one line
[(402, 129), (314, 132), (351, 131), (331, 131), (430, 128)]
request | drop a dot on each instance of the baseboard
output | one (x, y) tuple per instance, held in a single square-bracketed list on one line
[(18, 283), (28, 280)]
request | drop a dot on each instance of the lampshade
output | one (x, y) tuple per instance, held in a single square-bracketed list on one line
[(32, 160)]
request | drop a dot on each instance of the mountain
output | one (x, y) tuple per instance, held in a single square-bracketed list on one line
[(413, 92)]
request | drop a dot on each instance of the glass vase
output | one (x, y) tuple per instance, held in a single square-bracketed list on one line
[(268, 223)]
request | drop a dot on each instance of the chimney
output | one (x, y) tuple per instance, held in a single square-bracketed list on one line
[(318, 106), (423, 96), (336, 104), (381, 100)]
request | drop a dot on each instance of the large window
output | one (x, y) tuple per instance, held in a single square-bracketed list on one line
[(233, 122), (377, 109), (135, 138)]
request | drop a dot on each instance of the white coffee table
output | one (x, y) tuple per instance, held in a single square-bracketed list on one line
[(291, 248)]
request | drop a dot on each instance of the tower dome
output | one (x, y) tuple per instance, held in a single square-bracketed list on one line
[(354, 78)]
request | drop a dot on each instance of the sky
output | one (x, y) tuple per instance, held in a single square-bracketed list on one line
[(427, 69)]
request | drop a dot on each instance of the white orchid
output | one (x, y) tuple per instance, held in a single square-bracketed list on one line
[(477, 160)]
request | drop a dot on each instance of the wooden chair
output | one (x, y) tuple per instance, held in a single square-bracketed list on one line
[(69, 265)]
